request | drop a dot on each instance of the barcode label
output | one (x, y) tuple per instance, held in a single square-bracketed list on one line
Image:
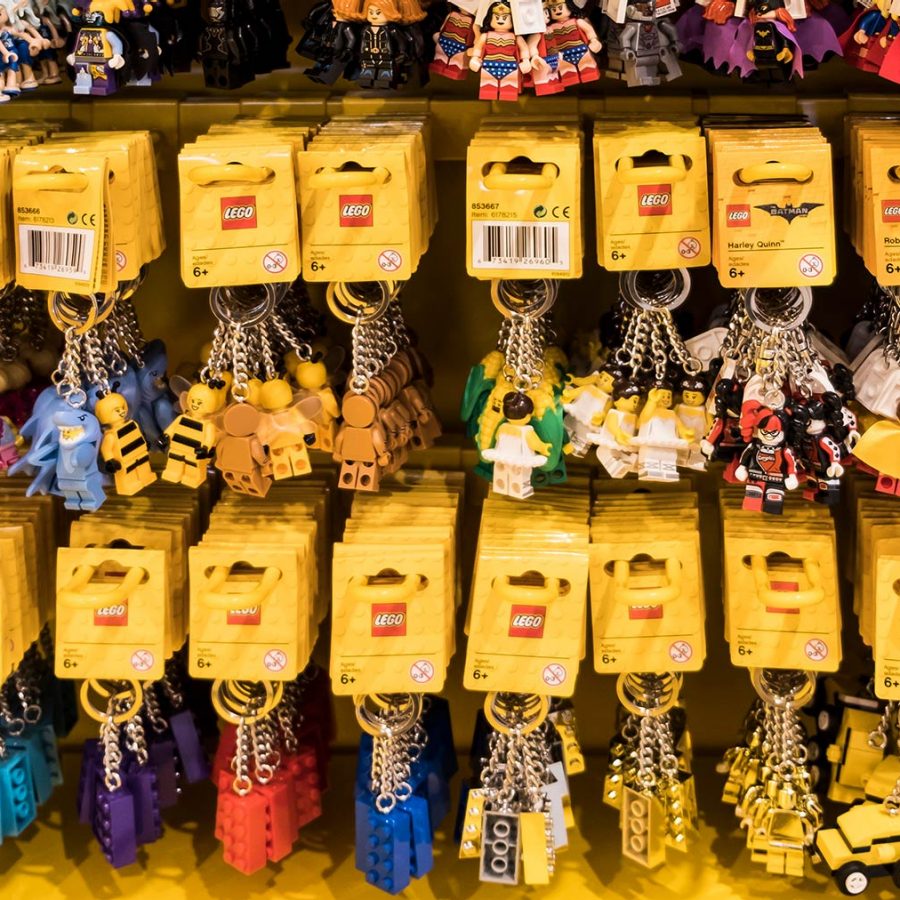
[(56, 252), (520, 245)]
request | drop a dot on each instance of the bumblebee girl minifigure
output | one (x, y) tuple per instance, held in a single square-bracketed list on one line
[(500, 55)]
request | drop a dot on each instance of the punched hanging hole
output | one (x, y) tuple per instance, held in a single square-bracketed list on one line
[(773, 172)]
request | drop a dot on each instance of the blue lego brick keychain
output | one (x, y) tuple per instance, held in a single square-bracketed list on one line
[(17, 800), (383, 846)]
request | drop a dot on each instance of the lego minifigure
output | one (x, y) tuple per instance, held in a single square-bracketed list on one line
[(644, 50), (330, 39), (614, 440), (29, 43), (572, 36), (821, 419), (192, 436), (517, 450), (240, 454), (424, 424), (693, 414), (384, 47), (723, 439), (287, 429), (661, 437), (123, 448), (870, 39), (768, 42), (500, 55), (9, 53), (155, 411), (313, 377), (50, 27), (98, 57), (767, 465), (361, 444), (586, 402), (9, 451), (451, 43), (544, 75), (78, 477)]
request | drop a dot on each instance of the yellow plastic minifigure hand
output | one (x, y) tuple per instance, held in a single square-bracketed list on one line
[(785, 56)]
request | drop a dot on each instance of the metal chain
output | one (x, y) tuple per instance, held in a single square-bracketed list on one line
[(68, 374), (112, 753), (152, 709), (135, 739)]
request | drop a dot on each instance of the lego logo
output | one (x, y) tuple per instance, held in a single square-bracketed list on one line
[(890, 210), (248, 615), (527, 621), (654, 199), (356, 211), (737, 216), (111, 615), (388, 619), (238, 212)]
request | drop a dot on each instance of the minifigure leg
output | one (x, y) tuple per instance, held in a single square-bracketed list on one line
[(174, 470), (501, 480), (520, 482)]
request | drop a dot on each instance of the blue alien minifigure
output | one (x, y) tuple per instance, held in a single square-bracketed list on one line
[(156, 411)]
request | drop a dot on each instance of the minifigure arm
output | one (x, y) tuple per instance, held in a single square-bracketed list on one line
[(337, 454), (108, 447), (478, 52), (534, 42), (258, 452), (590, 35), (535, 443), (524, 55), (683, 431), (83, 455), (329, 404), (617, 432), (648, 410), (379, 445), (669, 30), (209, 436)]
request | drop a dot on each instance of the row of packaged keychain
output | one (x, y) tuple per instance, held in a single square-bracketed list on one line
[(512, 45), (251, 608), (760, 387)]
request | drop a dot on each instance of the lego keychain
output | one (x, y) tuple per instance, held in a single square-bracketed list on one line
[(511, 400), (768, 780), (649, 365), (386, 410), (642, 45), (649, 777), (794, 425), (876, 363), (865, 842), (514, 820)]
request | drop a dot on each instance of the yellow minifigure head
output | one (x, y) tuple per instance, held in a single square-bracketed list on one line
[(291, 362), (662, 394), (311, 375), (202, 400), (254, 386), (518, 408), (606, 381), (628, 397), (693, 392), (111, 409), (275, 394)]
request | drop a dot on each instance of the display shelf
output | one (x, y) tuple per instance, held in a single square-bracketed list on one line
[(58, 859)]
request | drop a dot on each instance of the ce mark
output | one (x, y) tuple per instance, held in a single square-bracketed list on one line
[(89, 219), (555, 212)]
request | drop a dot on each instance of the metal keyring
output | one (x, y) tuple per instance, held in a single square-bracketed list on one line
[(779, 309), (532, 707), (784, 687), (59, 313), (647, 694), (668, 288), (240, 694), (359, 302), (400, 722), (134, 693), (223, 301), (527, 298)]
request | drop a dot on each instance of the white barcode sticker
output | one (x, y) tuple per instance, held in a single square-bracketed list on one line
[(539, 246), (56, 252)]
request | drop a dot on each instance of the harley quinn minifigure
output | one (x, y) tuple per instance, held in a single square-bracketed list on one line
[(767, 466)]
